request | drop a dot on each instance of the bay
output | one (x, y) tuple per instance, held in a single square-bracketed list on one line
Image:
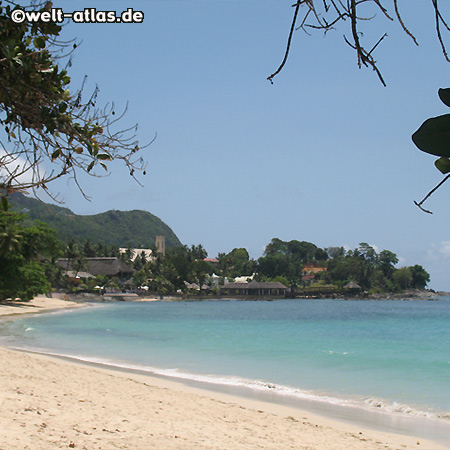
[(390, 356)]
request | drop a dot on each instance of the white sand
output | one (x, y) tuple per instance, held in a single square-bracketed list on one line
[(50, 404), (37, 305)]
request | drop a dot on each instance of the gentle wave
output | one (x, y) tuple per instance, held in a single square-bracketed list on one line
[(261, 386), (399, 408)]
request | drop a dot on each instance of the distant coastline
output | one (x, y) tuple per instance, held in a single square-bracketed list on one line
[(409, 294), (121, 257)]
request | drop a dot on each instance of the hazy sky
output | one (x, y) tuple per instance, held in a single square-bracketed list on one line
[(323, 155)]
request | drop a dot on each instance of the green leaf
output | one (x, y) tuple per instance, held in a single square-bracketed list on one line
[(433, 136), (104, 157), (443, 165), (55, 154), (52, 28), (39, 42), (4, 204), (90, 166), (444, 95), (104, 166)]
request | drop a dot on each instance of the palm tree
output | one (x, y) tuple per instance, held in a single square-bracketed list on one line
[(10, 240)]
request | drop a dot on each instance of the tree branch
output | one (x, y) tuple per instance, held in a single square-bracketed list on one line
[(297, 7), (430, 194), (328, 13)]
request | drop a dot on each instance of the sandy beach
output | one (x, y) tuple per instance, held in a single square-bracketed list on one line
[(38, 305), (49, 403)]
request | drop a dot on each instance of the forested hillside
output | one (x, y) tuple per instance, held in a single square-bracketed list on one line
[(121, 228)]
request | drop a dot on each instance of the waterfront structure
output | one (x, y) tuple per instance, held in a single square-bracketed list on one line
[(255, 288), (100, 266), (352, 287)]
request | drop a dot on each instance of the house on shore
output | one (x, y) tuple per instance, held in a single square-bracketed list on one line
[(212, 261), (352, 288), (112, 267), (312, 268), (245, 278), (311, 272), (255, 288)]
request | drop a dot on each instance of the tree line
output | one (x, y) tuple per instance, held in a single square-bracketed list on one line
[(287, 262), (29, 250)]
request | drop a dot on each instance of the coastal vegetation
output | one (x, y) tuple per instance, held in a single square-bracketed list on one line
[(74, 142), (291, 262), (48, 122), (30, 248), (59, 126), (27, 257)]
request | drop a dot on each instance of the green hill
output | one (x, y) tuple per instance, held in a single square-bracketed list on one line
[(120, 228)]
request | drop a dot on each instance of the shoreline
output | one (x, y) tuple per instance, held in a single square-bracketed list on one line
[(38, 305), (324, 409), (406, 295), (85, 405), (40, 389)]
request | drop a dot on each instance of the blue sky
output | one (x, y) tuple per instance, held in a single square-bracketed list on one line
[(323, 155)]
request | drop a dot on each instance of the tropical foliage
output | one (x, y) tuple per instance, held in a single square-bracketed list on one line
[(287, 262), (28, 250), (374, 272), (236, 263), (27, 255), (47, 122), (433, 137), (287, 259), (169, 273), (335, 266)]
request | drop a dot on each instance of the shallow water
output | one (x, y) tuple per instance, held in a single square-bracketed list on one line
[(390, 356)]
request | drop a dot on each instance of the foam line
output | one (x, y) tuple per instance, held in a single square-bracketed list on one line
[(273, 389)]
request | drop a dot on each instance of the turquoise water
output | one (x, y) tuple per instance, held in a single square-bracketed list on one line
[(392, 356)]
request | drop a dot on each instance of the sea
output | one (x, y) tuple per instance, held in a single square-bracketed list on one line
[(381, 364)]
